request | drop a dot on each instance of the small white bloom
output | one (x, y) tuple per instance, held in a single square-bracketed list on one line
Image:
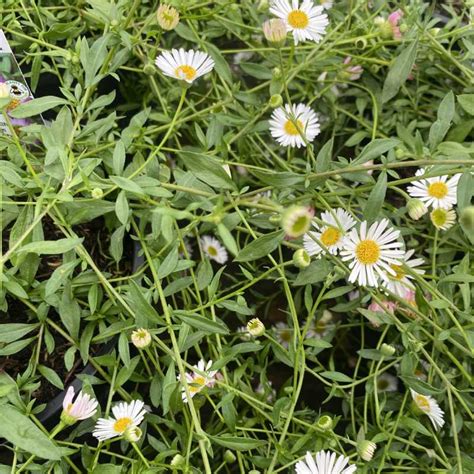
[(266, 391), (141, 338), (126, 415), (325, 462), (366, 449), (416, 209), (387, 383), (370, 252), (294, 125), (430, 407), (200, 378), (440, 191), (184, 65), (283, 333), (326, 4), (80, 409), (214, 249), (274, 31), (336, 223), (305, 20), (400, 282), (255, 327), (133, 434), (168, 17), (443, 219), (321, 327)]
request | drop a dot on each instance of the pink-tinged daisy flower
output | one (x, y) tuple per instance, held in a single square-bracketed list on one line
[(199, 379), (83, 407), (430, 407)]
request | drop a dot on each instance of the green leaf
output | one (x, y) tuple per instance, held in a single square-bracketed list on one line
[(440, 128), (24, 434), (399, 72), (51, 247), (467, 102), (258, 71), (58, 277), (124, 349), (323, 160), (336, 376), (144, 311), (202, 323), (261, 247), (37, 106), (317, 271), (51, 376), (237, 443), (227, 238), (375, 149), (121, 207), (419, 386), (414, 425), (119, 157), (15, 347), (376, 198), (207, 169), (169, 384), (465, 190), (169, 264), (220, 64), (13, 331), (127, 184)]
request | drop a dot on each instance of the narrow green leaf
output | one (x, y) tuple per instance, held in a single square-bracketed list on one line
[(24, 434), (237, 443), (202, 323), (37, 106), (51, 247), (376, 198), (323, 160), (260, 247), (399, 72)]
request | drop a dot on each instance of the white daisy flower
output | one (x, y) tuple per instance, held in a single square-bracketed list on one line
[(371, 252), (387, 383), (80, 409), (266, 391), (283, 333), (306, 21), (331, 234), (126, 416), (294, 125), (321, 327), (440, 191), (430, 407), (214, 249), (400, 282), (443, 219), (325, 462), (184, 65), (199, 379)]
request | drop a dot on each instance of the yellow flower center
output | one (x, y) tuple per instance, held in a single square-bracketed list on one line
[(439, 217), (298, 19), (212, 251), (197, 384), (185, 72), (291, 129), (422, 402), (285, 335), (438, 190), (399, 273), (367, 252), (330, 236), (382, 384), (122, 424)]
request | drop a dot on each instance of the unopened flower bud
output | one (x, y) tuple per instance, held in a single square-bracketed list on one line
[(387, 350), (385, 28), (149, 69), (416, 209), (262, 5), (467, 219), (325, 423), (141, 338), (168, 17), (276, 100), (276, 73), (132, 434), (229, 457), (275, 31), (97, 193), (366, 449), (296, 220), (178, 461), (255, 327), (301, 258)]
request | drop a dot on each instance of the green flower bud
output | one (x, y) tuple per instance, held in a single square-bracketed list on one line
[(149, 69), (229, 457), (416, 209), (276, 100), (276, 73), (301, 258), (387, 350), (467, 219), (366, 449), (325, 423), (178, 461), (97, 193), (255, 327)]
